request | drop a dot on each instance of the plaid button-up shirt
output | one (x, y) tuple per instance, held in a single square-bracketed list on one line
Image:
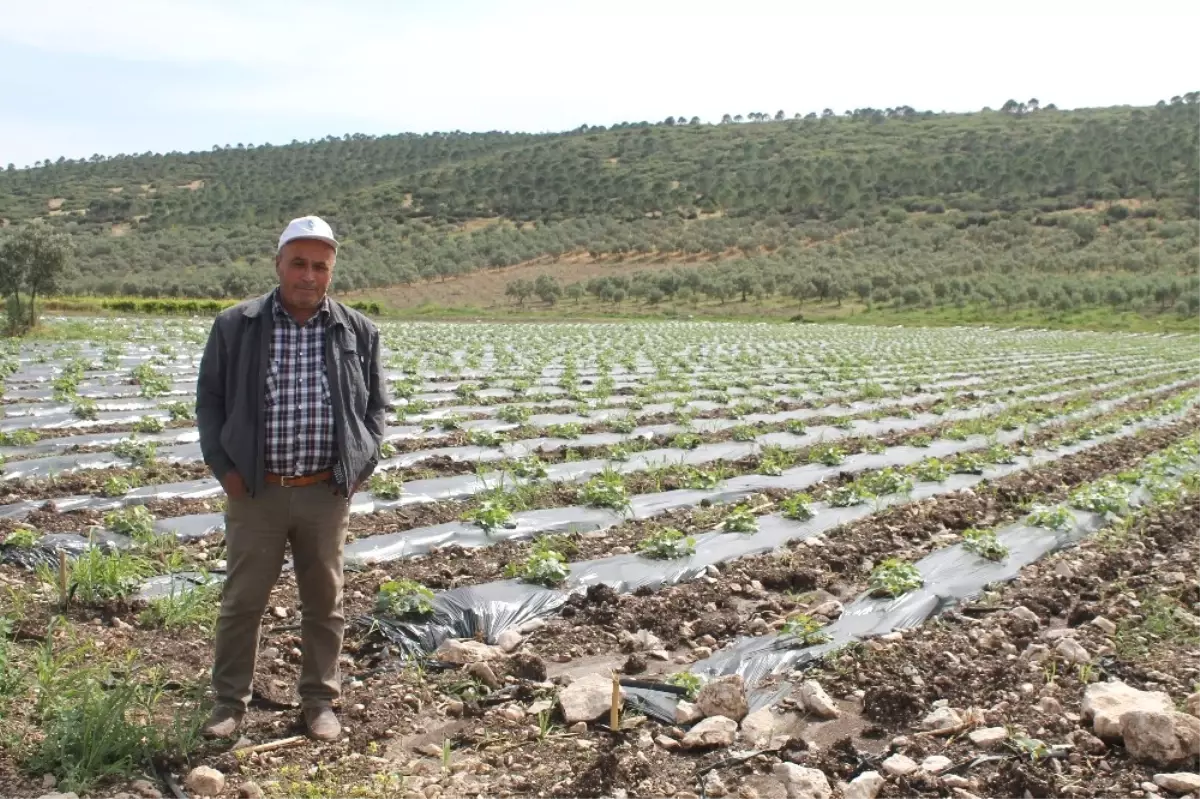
[(299, 412)]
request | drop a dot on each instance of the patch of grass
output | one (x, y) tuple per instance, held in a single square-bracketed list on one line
[(19, 438), (99, 576), (1161, 625), (142, 453), (180, 411), (183, 609), (94, 726)]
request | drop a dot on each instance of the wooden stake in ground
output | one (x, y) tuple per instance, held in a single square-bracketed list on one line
[(614, 710)]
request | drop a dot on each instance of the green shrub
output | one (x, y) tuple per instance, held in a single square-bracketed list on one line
[(667, 544), (403, 598), (893, 578)]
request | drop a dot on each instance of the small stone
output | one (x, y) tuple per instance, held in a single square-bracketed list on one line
[(941, 719), (831, 609), (279, 612), (587, 698), (706, 640), (758, 727), (758, 627), (1087, 743), (145, 790), (687, 713), (270, 653), (899, 765), (1104, 625), (1072, 651), (900, 741), (865, 786), (513, 713), (1192, 704), (1150, 788), (714, 731), (817, 702), (658, 654), (802, 783), (1049, 706), (954, 781), (205, 781), (724, 696), (539, 707), (1180, 782), (121, 624), (1024, 614), (892, 638), (701, 652), (666, 742), (988, 737), (242, 743), (509, 640), (1063, 570), (49, 781), (462, 652), (250, 790), (67, 795), (483, 672), (936, 764), (579, 727), (641, 641), (713, 786), (454, 708)]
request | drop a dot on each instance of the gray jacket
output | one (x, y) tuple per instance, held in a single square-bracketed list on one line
[(233, 376)]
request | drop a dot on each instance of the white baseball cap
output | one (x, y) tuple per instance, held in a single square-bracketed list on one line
[(307, 227)]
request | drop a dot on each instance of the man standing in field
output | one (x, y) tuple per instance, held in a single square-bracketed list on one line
[(291, 408)]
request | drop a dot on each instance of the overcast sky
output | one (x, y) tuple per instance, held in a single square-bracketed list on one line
[(84, 77)]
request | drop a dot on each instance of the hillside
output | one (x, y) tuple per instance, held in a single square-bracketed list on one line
[(1022, 207)]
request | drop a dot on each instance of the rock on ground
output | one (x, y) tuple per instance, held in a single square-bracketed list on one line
[(988, 737), (865, 786), (145, 789), (936, 764), (587, 698), (758, 727), (1192, 703), (250, 790), (1162, 738), (711, 732), (687, 713), (899, 765), (462, 652), (724, 696), (802, 783), (1072, 651), (816, 701), (1181, 782), (1105, 703), (205, 781), (941, 719), (509, 640)]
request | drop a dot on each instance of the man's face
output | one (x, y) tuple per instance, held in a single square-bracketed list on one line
[(304, 267)]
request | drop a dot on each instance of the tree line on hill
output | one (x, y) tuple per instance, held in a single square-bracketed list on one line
[(1094, 204)]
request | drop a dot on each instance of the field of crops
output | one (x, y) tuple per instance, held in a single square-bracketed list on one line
[(663, 559)]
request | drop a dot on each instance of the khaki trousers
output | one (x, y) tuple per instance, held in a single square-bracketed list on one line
[(257, 530)]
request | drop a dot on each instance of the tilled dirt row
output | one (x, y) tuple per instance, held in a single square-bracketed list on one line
[(1127, 599)]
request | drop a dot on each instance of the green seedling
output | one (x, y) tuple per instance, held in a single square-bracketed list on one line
[(404, 598), (797, 507), (691, 683), (984, 544), (386, 485), (1053, 518), (740, 520), (490, 515), (543, 566), (803, 630), (894, 578), (667, 545)]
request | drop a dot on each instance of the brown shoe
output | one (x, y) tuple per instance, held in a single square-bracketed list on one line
[(223, 722), (322, 724)]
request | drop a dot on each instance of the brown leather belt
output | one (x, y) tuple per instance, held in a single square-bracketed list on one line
[(296, 481)]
